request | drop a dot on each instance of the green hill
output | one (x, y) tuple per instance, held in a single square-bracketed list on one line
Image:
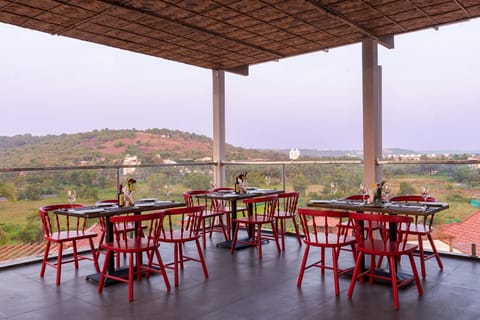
[(108, 147)]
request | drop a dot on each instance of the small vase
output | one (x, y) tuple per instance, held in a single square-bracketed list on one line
[(377, 200)]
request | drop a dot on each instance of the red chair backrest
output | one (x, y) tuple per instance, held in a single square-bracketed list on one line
[(288, 201), (366, 227), (151, 234), (265, 205), (191, 200), (355, 197), (60, 223), (323, 226), (426, 220), (182, 224), (411, 198)]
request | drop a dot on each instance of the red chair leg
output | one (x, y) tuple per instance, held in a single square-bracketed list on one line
[(229, 227), (234, 241), (225, 230), (130, 277), (59, 263), (356, 271), (275, 236), (101, 282), (204, 234), (176, 263), (202, 259), (435, 252), (162, 269), (45, 259), (297, 232), (281, 232), (393, 274), (259, 241), (94, 255), (75, 254), (421, 253), (335, 270), (322, 260), (415, 274), (302, 267)]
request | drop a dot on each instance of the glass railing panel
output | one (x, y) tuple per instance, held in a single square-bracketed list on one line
[(456, 184), (22, 192)]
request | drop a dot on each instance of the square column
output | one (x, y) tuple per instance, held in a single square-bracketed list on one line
[(218, 81), (372, 113)]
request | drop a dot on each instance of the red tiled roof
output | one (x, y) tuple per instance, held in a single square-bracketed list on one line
[(29, 250), (464, 233)]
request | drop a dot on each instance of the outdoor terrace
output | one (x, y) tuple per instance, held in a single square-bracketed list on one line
[(240, 286)]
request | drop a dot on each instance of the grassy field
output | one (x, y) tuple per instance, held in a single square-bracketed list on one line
[(15, 215)]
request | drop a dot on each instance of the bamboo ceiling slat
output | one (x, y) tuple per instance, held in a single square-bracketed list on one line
[(230, 34)]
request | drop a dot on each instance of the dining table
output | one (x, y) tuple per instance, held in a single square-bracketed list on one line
[(232, 197), (385, 207), (108, 210)]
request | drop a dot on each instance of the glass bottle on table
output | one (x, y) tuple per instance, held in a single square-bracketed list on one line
[(121, 196), (237, 185)]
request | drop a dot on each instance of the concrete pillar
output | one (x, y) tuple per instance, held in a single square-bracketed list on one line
[(218, 77), (372, 112)]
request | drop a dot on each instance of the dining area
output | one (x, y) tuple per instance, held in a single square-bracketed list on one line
[(234, 282), (240, 286), (136, 229)]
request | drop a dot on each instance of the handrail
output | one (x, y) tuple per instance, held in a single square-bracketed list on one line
[(428, 161), (294, 162), (118, 166), (194, 163)]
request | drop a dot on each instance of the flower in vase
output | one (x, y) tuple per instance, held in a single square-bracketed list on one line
[(131, 184)]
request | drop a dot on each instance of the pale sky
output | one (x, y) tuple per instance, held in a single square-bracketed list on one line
[(431, 92)]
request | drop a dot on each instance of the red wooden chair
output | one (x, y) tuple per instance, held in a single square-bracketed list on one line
[(357, 197), (287, 210), (368, 243), (211, 214), (421, 227), (103, 228), (260, 213), (225, 206), (62, 229), (145, 240), (177, 232), (321, 229), (354, 197)]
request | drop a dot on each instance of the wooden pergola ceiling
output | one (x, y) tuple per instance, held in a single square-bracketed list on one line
[(232, 34)]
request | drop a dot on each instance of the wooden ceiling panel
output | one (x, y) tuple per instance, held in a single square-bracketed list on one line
[(232, 33), (7, 17)]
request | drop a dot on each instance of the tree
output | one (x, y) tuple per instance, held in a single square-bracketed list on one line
[(406, 188), (197, 181), (300, 183), (8, 191)]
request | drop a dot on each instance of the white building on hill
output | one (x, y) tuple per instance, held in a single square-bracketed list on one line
[(130, 160), (294, 154)]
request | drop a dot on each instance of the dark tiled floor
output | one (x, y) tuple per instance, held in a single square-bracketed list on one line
[(239, 287)]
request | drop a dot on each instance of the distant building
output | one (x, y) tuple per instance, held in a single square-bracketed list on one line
[(474, 165), (294, 154), (131, 161)]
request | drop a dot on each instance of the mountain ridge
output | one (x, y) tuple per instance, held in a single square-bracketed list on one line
[(107, 146)]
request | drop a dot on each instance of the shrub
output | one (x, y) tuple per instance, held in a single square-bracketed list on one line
[(456, 196)]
